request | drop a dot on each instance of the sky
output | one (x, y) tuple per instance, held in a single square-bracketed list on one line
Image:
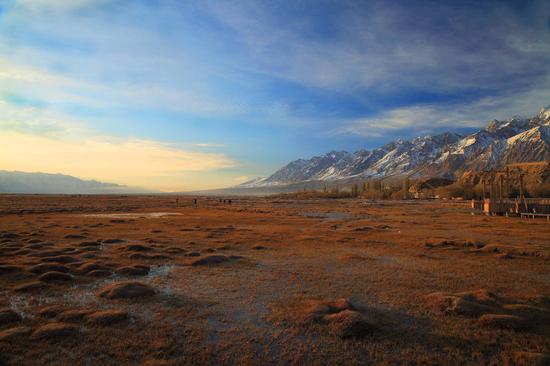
[(182, 95)]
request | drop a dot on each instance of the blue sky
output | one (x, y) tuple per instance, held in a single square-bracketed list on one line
[(177, 95)]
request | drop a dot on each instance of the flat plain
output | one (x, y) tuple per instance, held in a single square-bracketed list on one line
[(158, 280)]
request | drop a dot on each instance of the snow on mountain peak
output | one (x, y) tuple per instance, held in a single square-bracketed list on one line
[(544, 113), (493, 125)]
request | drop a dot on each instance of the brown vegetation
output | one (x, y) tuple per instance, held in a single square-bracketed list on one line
[(269, 281)]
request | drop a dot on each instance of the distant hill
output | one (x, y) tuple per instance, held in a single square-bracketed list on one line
[(21, 182)]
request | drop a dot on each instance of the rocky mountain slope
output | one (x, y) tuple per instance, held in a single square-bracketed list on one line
[(448, 155)]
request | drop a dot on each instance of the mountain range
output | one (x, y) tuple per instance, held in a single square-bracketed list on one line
[(447, 155)]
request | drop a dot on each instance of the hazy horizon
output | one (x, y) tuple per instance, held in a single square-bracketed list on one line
[(173, 96)]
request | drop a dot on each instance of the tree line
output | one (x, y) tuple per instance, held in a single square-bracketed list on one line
[(399, 189)]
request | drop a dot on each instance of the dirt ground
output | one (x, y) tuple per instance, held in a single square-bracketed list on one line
[(132, 280)]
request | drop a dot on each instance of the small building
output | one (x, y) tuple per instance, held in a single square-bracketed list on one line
[(426, 188)]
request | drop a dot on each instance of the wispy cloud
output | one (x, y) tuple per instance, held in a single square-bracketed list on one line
[(37, 120), (366, 51), (58, 5), (432, 118), (382, 47)]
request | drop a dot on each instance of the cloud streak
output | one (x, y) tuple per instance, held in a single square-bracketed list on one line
[(434, 118), (205, 144)]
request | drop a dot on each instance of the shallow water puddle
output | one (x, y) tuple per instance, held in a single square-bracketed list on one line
[(325, 215), (137, 215)]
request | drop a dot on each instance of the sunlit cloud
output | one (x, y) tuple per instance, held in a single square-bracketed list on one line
[(103, 157), (241, 179), (420, 118), (205, 144), (43, 140)]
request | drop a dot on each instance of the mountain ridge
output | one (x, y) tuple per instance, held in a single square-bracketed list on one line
[(48, 183), (446, 155)]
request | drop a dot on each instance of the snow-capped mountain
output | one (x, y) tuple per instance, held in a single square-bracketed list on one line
[(449, 155)]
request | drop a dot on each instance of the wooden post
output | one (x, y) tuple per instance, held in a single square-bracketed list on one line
[(491, 194), (507, 182), (501, 188), (521, 193), (491, 189), (521, 187)]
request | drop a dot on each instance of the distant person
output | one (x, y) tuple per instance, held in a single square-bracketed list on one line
[(229, 201), (195, 201)]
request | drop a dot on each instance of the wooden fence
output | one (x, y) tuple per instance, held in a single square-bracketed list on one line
[(512, 206)]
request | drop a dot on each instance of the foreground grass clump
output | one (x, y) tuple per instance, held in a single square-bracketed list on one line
[(126, 290)]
